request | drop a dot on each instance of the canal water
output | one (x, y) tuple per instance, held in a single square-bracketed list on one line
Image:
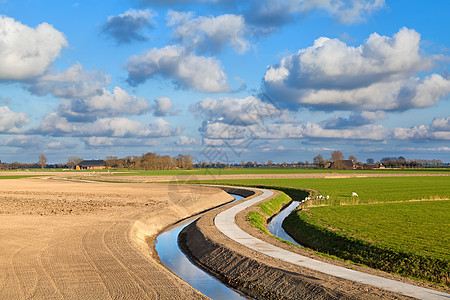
[(175, 260), (275, 227)]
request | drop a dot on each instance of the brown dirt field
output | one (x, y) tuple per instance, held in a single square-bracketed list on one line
[(84, 240)]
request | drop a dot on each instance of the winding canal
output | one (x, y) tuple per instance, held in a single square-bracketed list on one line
[(174, 259)]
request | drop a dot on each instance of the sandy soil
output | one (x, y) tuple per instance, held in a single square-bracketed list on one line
[(84, 240)]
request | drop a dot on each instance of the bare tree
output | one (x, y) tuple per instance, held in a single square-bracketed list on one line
[(42, 160), (353, 159), (318, 161), (73, 160), (337, 155)]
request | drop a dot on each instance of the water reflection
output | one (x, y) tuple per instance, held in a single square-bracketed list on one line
[(174, 259), (275, 227)]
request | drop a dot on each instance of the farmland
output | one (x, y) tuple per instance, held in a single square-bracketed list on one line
[(381, 228)]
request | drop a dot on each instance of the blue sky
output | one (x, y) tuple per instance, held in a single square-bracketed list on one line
[(224, 80)]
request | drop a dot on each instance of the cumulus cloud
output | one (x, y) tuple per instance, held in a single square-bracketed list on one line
[(27, 52), (355, 119), (187, 141), (107, 103), (106, 127), (184, 68), (441, 124), (95, 141), (10, 121), (128, 27), (268, 16), (209, 34), (438, 130), (226, 132), (75, 82), (163, 106), (249, 110), (377, 75)]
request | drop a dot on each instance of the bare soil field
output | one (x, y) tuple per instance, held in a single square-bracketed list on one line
[(90, 240)]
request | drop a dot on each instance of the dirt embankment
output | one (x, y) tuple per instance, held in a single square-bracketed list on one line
[(263, 277), (80, 240)]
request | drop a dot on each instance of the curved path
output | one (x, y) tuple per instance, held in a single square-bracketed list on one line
[(225, 222)]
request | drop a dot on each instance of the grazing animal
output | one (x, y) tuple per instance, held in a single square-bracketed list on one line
[(354, 194), (328, 197)]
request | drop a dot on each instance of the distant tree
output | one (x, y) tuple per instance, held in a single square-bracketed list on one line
[(269, 163), (42, 160), (370, 161), (318, 161), (73, 160), (337, 155), (353, 159), (337, 158)]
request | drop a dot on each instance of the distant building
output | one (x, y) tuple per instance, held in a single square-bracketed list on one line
[(345, 164), (91, 165)]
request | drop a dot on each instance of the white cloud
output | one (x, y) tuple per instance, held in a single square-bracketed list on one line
[(106, 127), (27, 52), (128, 26), (377, 75), (187, 141), (107, 103), (421, 132), (10, 121), (249, 110), (268, 16), (163, 106), (345, 11), (175, 62), (75, 82), (226, 132), (441, 124), (209, 34), (55, 125), (95, 141), (366, 132), (355, 119)]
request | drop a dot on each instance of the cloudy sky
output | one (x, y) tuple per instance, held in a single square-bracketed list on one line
[(224, 80)]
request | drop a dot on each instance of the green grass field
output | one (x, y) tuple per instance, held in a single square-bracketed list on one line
[(422, 227), (369, 189), (17, 176)]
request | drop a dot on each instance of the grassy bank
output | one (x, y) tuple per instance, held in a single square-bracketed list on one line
[(267, 209), (406, 238)]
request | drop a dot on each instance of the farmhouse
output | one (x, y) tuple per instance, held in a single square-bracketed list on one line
[(91, 165), (345, 164)]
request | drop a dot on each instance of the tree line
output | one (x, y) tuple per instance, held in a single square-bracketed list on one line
[(154, 161), (147, 161)]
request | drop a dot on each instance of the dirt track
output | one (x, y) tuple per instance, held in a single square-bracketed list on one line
[(61, 239)]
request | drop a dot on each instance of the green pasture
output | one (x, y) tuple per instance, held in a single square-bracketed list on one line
[(422, 227), (17, 176), (369, 189)]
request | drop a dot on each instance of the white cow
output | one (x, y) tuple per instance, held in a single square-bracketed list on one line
[(354, 194)]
